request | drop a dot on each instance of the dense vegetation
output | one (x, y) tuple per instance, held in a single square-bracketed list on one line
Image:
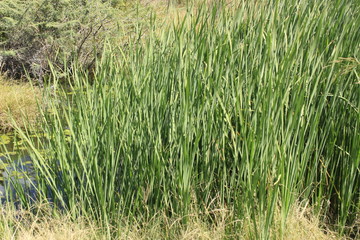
[(252, 108), (33, 32)]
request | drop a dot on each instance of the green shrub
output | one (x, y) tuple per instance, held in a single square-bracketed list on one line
[(33, 32)]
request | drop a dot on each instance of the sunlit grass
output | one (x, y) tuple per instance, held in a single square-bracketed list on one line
[(18, 102)]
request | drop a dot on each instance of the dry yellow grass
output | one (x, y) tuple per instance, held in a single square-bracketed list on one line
[(301, 224), (18, 102), (175, 13), (22, 225)]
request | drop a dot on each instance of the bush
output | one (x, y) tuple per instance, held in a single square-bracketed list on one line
[(34, 32)]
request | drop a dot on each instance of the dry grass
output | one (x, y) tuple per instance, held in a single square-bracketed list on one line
[(174, 13), (169, 13), (18, 102), (22, 225), (301, 224)]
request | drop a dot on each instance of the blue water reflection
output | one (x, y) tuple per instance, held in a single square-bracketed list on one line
[(16, 174)]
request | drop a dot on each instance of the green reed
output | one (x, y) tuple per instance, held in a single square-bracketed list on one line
[(251, 108)]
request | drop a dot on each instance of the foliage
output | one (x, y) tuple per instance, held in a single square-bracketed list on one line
[(250, 108), (33, 32)]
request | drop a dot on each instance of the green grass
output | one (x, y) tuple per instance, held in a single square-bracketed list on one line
[(250, 108)]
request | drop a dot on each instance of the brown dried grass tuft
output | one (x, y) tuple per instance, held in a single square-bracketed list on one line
[(25, 225), (302, 224), (42, 225)]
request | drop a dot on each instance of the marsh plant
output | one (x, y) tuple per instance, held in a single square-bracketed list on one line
[(251, 108)]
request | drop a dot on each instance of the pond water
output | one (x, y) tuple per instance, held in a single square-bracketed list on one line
[(15, 168), (16, 164)]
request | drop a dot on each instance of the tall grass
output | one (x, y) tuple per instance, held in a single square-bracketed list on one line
[(251, 108)]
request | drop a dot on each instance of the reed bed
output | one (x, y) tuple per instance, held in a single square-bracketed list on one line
[(252, 108)]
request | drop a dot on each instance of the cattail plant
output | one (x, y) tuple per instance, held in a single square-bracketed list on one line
[(253, 107)]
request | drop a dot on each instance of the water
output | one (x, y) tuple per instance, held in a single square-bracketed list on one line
[(16, 168)]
